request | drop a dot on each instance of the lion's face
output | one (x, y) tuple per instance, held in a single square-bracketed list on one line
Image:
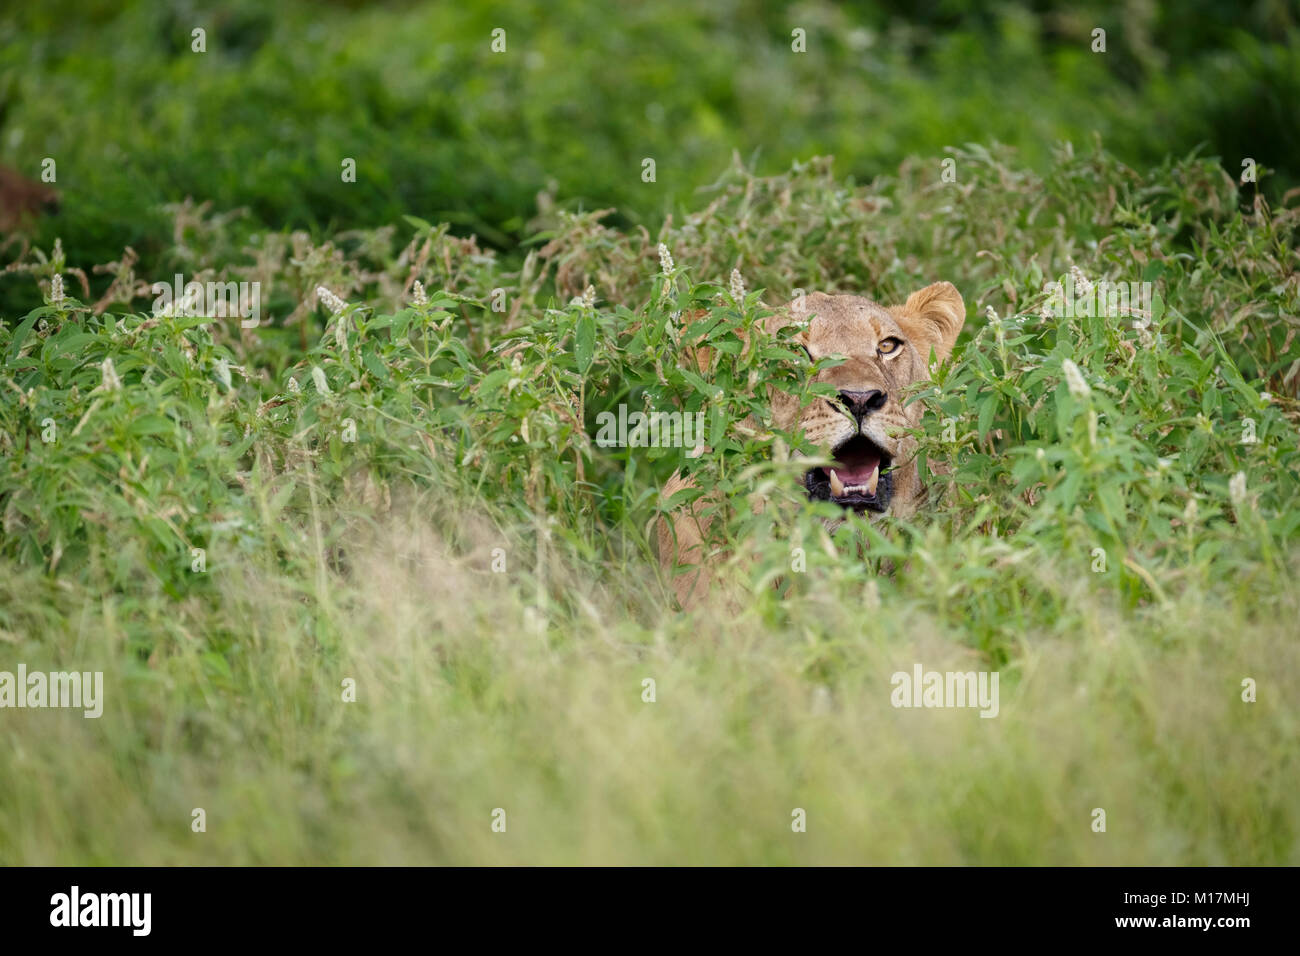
[(862, 431), (865, 429)]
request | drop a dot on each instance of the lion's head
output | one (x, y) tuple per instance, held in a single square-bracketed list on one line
[(864, 430)]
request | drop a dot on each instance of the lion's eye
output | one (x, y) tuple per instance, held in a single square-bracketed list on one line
[(889, 346)]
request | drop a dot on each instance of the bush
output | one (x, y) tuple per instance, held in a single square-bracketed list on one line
[(442, 127), (230, 528)]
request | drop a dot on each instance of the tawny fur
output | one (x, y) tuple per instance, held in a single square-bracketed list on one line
[(853, 327)]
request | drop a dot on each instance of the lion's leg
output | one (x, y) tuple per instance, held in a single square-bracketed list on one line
[(681, 543)]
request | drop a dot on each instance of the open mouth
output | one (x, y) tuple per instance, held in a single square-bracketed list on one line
[(859, 479)]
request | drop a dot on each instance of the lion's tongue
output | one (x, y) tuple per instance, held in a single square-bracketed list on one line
[(862, 471)]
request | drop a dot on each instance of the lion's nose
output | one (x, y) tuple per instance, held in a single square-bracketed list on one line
[(861, 404)]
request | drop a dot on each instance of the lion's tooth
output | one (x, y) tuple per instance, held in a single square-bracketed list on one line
[(837, 486), (873, 480)]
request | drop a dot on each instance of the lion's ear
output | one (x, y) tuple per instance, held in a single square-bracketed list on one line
[(932, 318)]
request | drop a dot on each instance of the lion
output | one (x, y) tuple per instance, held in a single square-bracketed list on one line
[(865, 431)]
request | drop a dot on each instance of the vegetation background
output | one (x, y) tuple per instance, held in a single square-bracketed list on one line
[(405, 493)]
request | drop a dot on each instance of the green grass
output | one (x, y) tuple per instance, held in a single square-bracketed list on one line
[(328, 559), (442, 127)]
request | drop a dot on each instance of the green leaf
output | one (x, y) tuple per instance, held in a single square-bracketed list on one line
[(584, 343), (987, 410), (377, 368), (492, 382), (20, 333), (151, 425)]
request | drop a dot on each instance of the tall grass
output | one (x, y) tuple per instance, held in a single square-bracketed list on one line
[(200, 526)]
